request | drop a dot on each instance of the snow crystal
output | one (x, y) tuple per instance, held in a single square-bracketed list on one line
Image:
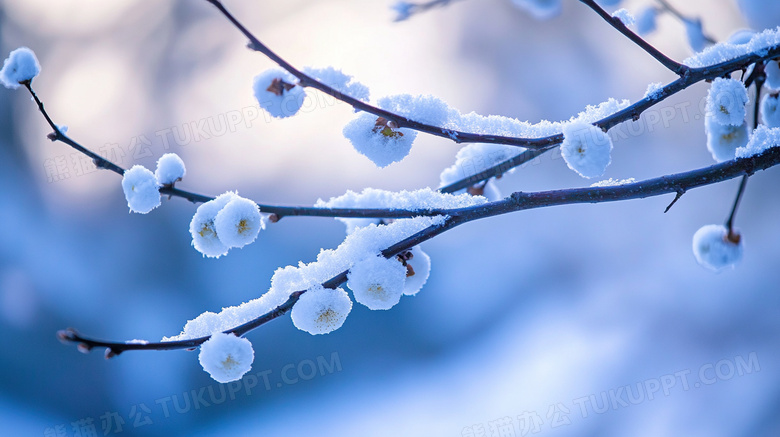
[(645, 21), (238, 222), (372, 198), (763, 138), (624, 16), (586, 149), (540, 9), (226, 357), (170, 169), (141, 189), (695, 33), (772, 71), (20, 66), (204, 234), (613, 182), (726, 101), (741, 36), (276, 92), (377, 282), (714, 250), (770, 112), (723, 140), (654, 90), (321, 310), (339, 81), (417, 276), (725, 51), (374, 138)]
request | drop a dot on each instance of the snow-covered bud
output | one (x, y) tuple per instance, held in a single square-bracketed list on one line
[(226, 357), (715, 248), (726, 101), (586, 149), (724, 139), (321, 310), (695, 33), (770, 113), (418, 268), (141, 189), (20, 66), (625, 17), (204, 234), (377, 282), (540, 9), (170, 169), (645, 20), (379, 139), (772, 71), (277, 92), (239, 222)]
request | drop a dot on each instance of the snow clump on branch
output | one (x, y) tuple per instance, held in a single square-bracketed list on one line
[(321, 310), (20, 66), (277, 91), (142, 191), (586, 149), (226, 357)]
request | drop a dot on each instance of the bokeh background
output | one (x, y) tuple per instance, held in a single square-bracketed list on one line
[(525, 313)]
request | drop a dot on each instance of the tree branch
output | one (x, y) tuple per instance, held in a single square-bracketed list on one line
[(617, 23), (516, 202)]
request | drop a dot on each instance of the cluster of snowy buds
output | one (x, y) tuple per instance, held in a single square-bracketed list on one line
[(20, 67), (142, 187), (224, 223), (725, 118), (376, 282)]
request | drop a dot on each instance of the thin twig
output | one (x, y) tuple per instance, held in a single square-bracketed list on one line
[(617, 23), (516, 202)]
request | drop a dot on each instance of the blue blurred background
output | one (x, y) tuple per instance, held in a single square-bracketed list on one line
[(542, 314)]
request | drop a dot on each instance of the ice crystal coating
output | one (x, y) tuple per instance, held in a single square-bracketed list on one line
[(714, 249), (377, 282), (226, 357), (339, 81), (20, 66), (418, 266), (204, 233), (724, 140), (321, 310), (141, 189), (770, 113), (170, 169), (645, 20), (277, 92), (761, 139), (238, 222), (540, 9), (586, 149), (726, 101)]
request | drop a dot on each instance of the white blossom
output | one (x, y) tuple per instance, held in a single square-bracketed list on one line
[(417, 276), (277, 91), (772, 70), (321, 310), (226, 357), (377, 282), (726, 101), (713, 248), (695, 33), (204, 234), (20, 66), (141, 189), (238, 222), (540, 9), (170, 169), (723, 140), (761, 139), (645, 20), (586, 149), (376, 139), (624, 16), (770, 112)]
